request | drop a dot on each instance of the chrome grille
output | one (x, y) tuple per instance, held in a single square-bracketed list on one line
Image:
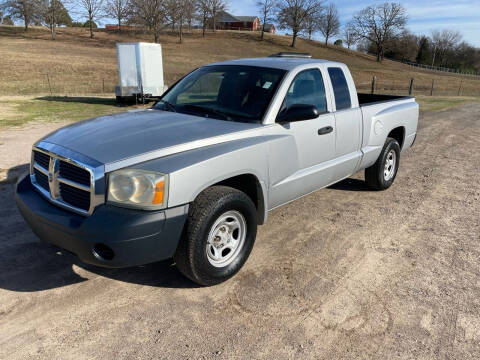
[(63, 181)]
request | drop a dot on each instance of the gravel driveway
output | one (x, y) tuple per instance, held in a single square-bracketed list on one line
[(343, 273)]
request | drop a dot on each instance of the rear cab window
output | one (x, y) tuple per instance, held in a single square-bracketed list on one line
[(340, 88)]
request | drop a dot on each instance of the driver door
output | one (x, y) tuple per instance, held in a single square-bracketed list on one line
[(313, 142)]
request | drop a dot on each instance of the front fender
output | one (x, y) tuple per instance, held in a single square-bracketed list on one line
[(193, 171)]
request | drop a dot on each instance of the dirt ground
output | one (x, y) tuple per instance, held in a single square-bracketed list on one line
[(344, 273)]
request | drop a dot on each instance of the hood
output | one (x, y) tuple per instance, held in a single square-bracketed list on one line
[(120, 136)]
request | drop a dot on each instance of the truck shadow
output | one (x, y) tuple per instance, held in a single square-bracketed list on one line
[(350, 184), (83, 100)]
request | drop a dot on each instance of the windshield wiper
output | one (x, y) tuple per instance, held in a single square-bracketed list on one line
[(169, 105), (209, 110)]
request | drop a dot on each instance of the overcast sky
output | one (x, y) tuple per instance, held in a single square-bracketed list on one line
[(423, 15)]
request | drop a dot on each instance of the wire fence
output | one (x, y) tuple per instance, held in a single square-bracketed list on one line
[(415, 87), (475, 74)]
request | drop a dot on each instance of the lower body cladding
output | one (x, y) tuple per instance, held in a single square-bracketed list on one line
[(110, 237)]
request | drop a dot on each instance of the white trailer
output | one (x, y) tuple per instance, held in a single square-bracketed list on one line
[(140, 71)]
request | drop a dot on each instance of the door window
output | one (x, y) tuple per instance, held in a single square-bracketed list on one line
[(340, 89), (307, 89)]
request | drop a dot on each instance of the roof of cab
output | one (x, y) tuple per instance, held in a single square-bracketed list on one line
[(285, 63)]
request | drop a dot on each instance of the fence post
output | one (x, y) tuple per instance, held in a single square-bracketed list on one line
[(433, 84), (460, 88), (374, 80), (49, 86), (103, 86), (410, 90)]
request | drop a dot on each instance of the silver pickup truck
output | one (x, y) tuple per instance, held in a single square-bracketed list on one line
[(193, 176)]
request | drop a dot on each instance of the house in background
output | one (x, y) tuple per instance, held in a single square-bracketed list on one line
[(226, 21), (270, 28)]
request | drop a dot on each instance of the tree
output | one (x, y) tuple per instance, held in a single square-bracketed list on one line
[(185, 12), (54, 14), (29, 11), (338, 42), (423, 50), (204, 11), (329, 24), (117, 9), (93, 10), (349, 37), (267, 9), (172, 11), (312, 24), (150, 13), (378, 24), (444, 41), (214, 7), (294, 15)]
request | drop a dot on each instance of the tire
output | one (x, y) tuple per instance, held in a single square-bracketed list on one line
[(211, 220), (380, 176)]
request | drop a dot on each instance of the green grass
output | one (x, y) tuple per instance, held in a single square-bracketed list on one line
[(430, 104), (19, 111)]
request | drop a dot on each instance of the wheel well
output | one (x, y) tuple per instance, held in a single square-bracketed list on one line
[(398, 134), (248, 184)]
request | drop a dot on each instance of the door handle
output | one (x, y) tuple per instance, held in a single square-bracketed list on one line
[(325, 130)]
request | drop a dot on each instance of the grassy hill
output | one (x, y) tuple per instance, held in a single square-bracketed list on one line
[(74, 64)]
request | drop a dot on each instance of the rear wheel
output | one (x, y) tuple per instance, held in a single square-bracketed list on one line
[(380, 176), (218, 236)]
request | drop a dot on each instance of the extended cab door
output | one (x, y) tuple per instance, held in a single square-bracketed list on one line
[(311, 146), (348, 122)]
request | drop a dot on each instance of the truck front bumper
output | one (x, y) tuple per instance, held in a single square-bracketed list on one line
[(110, 237)]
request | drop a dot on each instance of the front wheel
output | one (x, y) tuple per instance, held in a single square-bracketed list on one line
[(380, 176), (218, 236)]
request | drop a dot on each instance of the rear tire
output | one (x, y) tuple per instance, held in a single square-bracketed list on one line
[(380, 176), (218, 237)]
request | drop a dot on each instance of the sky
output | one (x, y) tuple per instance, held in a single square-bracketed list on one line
[(423, 15)]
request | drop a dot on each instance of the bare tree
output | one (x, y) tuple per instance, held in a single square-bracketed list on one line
[(27, 10), (150, 13), (117, 9), (93, 10), (329, 24), (215, 6), (172, 11), (190, 10), (267, 10), (203, 14), (311, 26), (378, 24), (294, 14), (185, 11), (443, 41), (349, 36)]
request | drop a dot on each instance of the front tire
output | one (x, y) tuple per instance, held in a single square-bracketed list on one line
[(218, 237), (380, 176)]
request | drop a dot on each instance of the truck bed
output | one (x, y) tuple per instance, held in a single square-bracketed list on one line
[(370, 99)]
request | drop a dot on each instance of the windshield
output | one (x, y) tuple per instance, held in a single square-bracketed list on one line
[(225, 92)]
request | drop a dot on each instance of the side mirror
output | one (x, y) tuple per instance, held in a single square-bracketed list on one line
[(298, 112)]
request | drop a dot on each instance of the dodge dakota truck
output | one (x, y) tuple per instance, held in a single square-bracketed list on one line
[(193, 176)]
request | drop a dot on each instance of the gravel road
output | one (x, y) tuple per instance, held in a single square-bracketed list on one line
[(344, 273)]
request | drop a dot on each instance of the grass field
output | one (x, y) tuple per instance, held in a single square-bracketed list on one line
[(74, 64)]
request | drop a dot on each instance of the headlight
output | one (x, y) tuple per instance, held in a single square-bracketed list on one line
[(138, 188)]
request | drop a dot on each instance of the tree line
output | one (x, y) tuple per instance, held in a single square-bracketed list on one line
[(377, 29)]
